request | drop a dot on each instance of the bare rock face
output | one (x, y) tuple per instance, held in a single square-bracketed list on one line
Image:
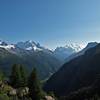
[(13, 92), (23, 92), (49, 98)]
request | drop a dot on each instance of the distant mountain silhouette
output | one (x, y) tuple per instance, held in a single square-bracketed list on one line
[(80, 72), (74, 55), (64, 52)]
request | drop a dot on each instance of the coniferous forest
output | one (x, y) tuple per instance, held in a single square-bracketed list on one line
[(21, 85)]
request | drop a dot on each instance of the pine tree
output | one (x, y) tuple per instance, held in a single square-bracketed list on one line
[(1, 75), (18, 76), (14, 75), (34, 86), (23, 76)]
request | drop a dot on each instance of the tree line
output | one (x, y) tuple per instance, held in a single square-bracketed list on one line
[(19, 78)]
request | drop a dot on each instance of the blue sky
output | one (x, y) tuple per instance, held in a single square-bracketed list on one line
[(50, 22)]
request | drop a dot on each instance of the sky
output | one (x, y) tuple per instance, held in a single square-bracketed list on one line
[(50, 22)]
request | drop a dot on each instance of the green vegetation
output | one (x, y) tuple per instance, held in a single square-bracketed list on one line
[(4, 97), (18, 76), (35, 90), (20, 86), (45, 63), (1, 76)]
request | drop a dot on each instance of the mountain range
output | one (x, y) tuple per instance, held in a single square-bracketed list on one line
[(81, 52), (79, 72), (64, 52), (32, 54)]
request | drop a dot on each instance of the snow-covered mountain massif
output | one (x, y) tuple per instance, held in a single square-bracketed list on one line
[(27, 46), (81, 52), (29, 54), (32, 54), (5, 45), (63, 52), (21, 48), (68, 51)]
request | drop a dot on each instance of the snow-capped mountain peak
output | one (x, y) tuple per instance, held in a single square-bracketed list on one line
[(75, 47), (67, 50), (6, 45), (88, 46), (3, 43), (29, 45)]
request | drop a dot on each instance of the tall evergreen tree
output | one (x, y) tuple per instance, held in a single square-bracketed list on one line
[(18, 76), (1, 75), (23, 76), (34, 86), (14, 75)]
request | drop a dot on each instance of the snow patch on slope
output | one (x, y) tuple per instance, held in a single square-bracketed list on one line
[(7, 47)]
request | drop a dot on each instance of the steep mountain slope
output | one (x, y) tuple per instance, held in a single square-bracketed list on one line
[(74, 55), (79, 72), (68, 50), (40, 58)]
